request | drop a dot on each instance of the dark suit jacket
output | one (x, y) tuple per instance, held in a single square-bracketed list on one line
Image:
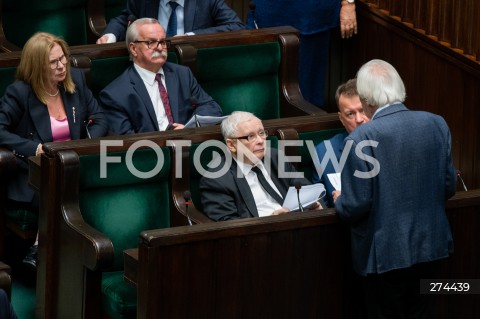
[(337, 146), (398, 217), (200, 17), (230, 197), (129, 107), (25, 123)]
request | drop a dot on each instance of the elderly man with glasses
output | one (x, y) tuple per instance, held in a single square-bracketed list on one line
[(256, 180), (153, 94)]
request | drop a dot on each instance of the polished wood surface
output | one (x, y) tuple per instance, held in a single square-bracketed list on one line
[(274, 266), (437, 79), (454, 24)]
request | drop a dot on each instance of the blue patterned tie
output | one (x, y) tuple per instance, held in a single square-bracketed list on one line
[(172, 22)]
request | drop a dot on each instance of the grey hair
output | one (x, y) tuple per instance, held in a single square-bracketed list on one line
[(132, 31), (380, 84), (229, 125)]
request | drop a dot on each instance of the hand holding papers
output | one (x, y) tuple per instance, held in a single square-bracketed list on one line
[(335, 180), (309, 194), (204, 120)]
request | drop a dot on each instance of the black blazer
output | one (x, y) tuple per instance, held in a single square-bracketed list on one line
[(230, 197), (25, 123)]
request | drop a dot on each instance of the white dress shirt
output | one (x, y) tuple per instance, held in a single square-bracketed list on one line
[(264, 202), (154, 93)]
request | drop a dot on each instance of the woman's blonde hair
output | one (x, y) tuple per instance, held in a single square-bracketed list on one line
[(34, 67)]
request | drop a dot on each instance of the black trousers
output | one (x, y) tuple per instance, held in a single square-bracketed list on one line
[(396, 294)]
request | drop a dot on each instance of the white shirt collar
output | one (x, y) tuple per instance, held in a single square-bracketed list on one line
[(146, 75)]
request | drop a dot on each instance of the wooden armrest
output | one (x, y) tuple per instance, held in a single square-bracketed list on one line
[(5, 279), (289, 79), (180, 185), (96, 17), (97, 249)]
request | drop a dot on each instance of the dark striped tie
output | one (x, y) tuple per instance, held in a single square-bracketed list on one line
[(164, 96)]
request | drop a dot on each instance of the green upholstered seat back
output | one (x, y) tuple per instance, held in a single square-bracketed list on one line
[(105, 70), (113, 8), (205, 158), (242, 78), (306, 164), (7, 76), (122, 205), (65, 18)]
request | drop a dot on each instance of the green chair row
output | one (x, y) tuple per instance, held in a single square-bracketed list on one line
[(79, 22), (86, 221)]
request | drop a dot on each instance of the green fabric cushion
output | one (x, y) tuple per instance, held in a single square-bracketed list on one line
[(123, 205), (306, 164), (65, 18), (242, 78), (23, 218), (113, 8), (7, 77), (119, 298)]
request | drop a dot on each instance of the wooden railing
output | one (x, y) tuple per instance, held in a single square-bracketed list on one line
[(454, 24)]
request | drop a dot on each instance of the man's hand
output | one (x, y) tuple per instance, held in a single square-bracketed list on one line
[(315, 206), (177, 126), (335, 195), (281, 211), (102, 40), (348, 20)]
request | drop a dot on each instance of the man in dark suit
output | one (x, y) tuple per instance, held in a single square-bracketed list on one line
[(350, 113), (198, 17), (153, 94), (240, 192), (393, 193)]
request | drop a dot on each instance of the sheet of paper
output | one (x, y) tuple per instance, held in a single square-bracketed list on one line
[(309, 194), (204, 120), (336, 181)]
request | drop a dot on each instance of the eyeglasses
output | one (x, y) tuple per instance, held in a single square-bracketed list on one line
[(252, 137), (153, 44), (54, 63)]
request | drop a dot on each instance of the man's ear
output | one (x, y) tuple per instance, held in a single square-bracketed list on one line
[(232, 145), (133, 49)]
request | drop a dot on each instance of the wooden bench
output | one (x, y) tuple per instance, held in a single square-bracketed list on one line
[(294, 265), (72, 281), (251, 70)]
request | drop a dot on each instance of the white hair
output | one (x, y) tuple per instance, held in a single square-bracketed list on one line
[(379, 84), (229, 125)]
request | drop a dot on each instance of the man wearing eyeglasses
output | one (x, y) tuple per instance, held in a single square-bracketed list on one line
[(254, 184), (153, 94)]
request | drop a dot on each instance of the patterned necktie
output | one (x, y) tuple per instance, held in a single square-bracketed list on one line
[(266, 186), (164, 96), (172, 22)]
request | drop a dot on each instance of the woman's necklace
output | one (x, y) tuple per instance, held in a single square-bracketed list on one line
[(53, 95)]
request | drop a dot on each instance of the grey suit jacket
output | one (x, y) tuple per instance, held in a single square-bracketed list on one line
[(230, 197), (129, 107), (398, 216), (200, 17)]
